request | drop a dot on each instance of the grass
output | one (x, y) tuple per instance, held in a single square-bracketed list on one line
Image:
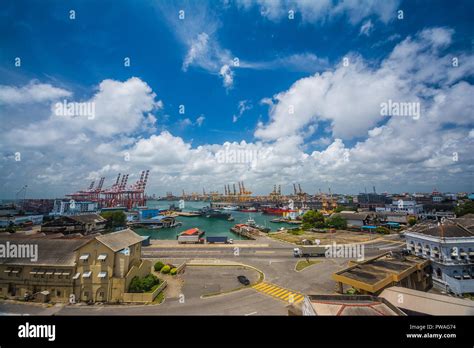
[(159, 298), (301, 265)]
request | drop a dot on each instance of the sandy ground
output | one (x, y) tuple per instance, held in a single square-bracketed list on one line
[(340, 237)]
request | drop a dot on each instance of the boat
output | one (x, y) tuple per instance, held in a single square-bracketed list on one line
[(248, 210), (251, 222), (216, 214), (230, 207), (277, 211)]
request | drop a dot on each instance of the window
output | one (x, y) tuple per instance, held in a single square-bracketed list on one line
[(87, 274), (102, 257), (58, 293), (102, 275)]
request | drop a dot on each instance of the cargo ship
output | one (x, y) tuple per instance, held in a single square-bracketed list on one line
[(277, 211)]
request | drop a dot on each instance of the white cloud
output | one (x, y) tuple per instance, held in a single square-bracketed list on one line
[(366, 28), (200, 120), (227, 76), (34, 92), (60, 155), (324, 10), (243, 106), (350, 96)]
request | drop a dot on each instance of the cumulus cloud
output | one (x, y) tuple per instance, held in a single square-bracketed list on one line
[(34, 92), (349, 97), (395, 153)]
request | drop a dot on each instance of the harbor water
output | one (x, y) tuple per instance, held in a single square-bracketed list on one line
[(211, 226)]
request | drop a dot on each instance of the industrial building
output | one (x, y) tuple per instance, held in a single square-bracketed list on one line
[(84, 224)]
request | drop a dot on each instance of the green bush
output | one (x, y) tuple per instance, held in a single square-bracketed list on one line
[(337, 222), (382, 230), (144, 284), (412, 221), (174, 271), (166, 269), (158, 266)]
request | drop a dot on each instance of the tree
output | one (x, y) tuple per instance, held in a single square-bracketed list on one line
[(412, 221), (114, 219), (464, 208), (337, 222), (312, 219)]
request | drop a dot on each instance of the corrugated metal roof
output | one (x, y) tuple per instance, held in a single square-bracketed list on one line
[(120, 240), (51, 252)]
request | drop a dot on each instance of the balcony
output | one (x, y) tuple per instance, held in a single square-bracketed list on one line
[(460, 284)]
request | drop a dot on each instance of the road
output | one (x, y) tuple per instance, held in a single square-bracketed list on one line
[(273, 258)]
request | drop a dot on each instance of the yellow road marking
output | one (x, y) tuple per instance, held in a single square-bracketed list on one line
[(278, 292)]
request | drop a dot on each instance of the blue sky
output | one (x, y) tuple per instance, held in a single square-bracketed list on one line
[(332, 139)]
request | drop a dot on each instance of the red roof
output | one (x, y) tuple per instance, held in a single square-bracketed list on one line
[(191, 231)]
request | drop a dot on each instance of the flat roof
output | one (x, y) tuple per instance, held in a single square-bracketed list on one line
[(427, 303), (342, 305), (373, 274)]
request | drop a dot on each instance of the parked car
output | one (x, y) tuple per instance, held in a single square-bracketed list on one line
[(243, 280)]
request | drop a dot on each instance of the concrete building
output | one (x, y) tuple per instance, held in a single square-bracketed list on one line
[(84, 224), (414, 302), (87, 268), (389, 269), (450, 248), (351, 305), (71, 207), (107, 264), (53, 270), (404, 206)]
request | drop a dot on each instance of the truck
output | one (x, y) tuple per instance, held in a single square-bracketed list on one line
[(219, 239), (190, 239), (309, 250)]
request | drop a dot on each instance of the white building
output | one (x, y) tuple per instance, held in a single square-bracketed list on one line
[(450, 247), (401, 206)]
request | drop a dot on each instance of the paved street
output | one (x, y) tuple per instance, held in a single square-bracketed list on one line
[(273, 258)]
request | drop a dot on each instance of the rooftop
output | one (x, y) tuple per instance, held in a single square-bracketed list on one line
[(339, 305), (427, 303), (51, 252), (88, 218), (352, 216), (451, 228), (374, 274), (120, 240)]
